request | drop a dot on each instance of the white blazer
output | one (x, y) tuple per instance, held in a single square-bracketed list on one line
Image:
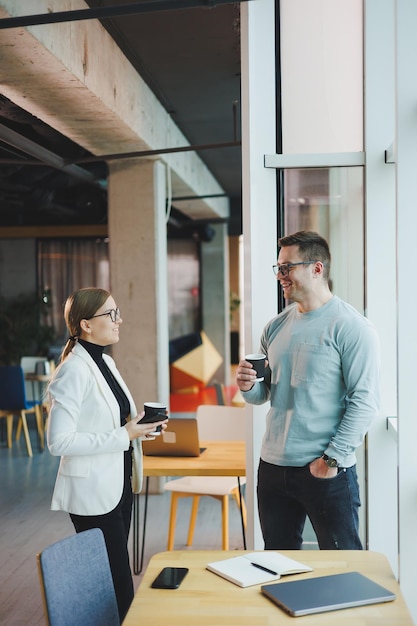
[(84, 430)]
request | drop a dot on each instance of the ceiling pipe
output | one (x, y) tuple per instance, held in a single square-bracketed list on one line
[(147, 153), (45, 156), (123, 155), (149, 6)]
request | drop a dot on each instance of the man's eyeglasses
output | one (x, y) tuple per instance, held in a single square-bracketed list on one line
[(285, 268), (114, 315)]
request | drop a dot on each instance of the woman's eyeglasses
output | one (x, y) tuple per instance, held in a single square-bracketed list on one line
[(114, 315)]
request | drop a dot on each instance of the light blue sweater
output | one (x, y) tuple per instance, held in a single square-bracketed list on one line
[(323, 384)]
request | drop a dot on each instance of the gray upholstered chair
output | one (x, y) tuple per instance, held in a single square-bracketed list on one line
[(76, 582)]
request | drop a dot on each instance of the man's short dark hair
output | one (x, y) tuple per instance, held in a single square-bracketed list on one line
[(311, 246)]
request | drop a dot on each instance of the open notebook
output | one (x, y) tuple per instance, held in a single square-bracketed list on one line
[(179, 439), (255, 568), (326, 593)]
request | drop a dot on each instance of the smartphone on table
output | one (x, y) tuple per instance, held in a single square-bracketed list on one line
[(170, 578)]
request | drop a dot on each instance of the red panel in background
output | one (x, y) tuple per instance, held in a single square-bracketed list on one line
[(188, 402)]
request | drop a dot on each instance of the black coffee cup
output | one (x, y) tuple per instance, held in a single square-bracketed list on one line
[(154, 412), (258, 364)]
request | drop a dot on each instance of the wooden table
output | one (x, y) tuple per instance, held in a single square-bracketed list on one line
[(205, 599), (220, 458), (41, 379)]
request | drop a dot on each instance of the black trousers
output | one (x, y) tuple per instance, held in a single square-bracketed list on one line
[(116, 526)]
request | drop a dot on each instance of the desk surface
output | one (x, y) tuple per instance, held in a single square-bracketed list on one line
[(40, 378), (205, 599), (220, 458)]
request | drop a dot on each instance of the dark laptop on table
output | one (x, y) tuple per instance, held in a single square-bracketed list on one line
[(179, 439), (326, 593)]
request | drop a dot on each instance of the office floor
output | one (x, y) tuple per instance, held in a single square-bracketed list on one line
[(28, 525)]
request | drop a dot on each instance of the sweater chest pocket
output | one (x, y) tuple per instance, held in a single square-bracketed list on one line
[(311, 363)]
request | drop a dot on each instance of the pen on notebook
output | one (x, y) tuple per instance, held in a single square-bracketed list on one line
[(265, 569)]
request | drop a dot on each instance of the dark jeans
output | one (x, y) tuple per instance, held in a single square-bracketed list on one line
[(286, 495), (115, 526)]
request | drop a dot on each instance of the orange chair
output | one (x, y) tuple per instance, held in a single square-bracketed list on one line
[(223, 423)]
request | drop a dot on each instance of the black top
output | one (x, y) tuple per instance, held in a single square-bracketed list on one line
[(96, 353)]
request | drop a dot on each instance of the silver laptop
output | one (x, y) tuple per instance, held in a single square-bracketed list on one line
[(326, 593), (179, 439)]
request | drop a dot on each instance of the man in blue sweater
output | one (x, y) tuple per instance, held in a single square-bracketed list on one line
[(323, 383)]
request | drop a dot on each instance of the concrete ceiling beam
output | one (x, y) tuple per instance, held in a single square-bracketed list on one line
[(74, 78)]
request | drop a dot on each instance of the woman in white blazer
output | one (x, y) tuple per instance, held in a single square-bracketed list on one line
[(93, 426)]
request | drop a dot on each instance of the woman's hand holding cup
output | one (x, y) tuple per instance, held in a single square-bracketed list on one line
[(137, 427)]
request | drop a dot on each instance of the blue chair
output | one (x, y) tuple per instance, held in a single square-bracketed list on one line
[(13, 402), (76, 582)]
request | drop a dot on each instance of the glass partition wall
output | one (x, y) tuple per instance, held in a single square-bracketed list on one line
[(330, 201)]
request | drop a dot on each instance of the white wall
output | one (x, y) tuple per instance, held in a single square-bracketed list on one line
[(259, 211), (321, 57), (406, 168), (381, 302)]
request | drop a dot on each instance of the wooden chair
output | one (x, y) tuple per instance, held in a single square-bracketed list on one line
[(76, 582), (13, 402), (9, 426), (223, 423)]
